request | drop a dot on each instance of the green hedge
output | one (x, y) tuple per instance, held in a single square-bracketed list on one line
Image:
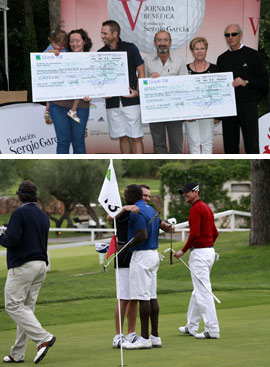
[(211, 175)]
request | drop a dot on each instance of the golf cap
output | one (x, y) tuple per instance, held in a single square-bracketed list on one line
[(190, 186)]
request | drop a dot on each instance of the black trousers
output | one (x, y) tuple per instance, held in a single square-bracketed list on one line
[(247, 120)]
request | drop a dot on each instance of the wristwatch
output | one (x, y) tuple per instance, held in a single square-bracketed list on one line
[(246, 82)]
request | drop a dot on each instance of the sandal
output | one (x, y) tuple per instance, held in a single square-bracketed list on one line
[(47, 118), (71, 115)]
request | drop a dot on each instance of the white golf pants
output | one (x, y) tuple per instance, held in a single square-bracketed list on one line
[(200, 135), (201, 303)]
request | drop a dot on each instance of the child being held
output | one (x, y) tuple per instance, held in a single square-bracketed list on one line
[(58, 43)]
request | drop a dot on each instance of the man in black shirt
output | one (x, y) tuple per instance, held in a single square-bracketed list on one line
[(123, 113), (122, 220), (249, 76), (26, 242)]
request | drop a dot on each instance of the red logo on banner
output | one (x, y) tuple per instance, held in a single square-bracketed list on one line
[(266, 150), (131, 22), (267, 147), (254, 28)]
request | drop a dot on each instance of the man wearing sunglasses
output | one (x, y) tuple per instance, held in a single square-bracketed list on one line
[(250, 76)]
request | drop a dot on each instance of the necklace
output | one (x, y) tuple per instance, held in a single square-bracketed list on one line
[(204, 66)]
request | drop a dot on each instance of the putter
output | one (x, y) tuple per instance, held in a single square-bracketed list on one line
[(218, 301)]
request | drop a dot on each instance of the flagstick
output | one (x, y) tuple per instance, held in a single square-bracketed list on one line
[(118, 299), (110, 200)]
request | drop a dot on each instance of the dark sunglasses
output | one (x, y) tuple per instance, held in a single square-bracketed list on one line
[(234, 34)]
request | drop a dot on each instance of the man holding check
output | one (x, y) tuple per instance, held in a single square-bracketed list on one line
[(123, 112), (165, 63)]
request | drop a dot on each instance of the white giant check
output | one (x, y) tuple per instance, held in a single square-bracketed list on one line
[(74, 75), (187, 97)]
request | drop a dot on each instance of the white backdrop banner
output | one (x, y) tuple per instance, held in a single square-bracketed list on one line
[(264, 133), (139, 21), (24, 131)]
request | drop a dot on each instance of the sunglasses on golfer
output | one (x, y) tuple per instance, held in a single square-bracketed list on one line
[(233, 34)]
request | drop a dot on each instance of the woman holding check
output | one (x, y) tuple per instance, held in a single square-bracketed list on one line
[(200, 132), (68, 131)]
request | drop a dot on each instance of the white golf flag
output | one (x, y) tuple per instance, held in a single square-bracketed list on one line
[(109, 196)]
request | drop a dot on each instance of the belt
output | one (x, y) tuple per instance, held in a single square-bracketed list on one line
[(194, 248)]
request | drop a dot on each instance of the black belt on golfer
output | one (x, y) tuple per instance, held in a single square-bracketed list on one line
[(194, 248)]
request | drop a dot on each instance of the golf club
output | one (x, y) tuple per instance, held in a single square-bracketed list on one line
[(218, 301), (171, 221)]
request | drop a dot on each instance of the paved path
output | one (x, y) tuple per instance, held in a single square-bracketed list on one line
[(69, 243)]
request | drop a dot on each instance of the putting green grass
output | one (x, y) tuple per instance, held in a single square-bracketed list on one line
[(244, 342), (77, 301)]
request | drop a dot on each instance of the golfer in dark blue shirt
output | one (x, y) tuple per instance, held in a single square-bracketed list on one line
[(26, 242)]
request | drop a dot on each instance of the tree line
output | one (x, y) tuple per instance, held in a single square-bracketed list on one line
[(73, 182)]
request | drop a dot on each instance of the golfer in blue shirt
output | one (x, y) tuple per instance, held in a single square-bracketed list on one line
[(144, 230)]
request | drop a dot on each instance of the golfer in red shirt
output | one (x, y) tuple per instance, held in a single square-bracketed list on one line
[(202, 236)]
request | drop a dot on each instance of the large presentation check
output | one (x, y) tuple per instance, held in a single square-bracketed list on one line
[(73, 75), (187, 97)]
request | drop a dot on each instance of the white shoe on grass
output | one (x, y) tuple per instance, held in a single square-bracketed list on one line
[(125, 341), (9, 359), (207, 335), (132, 337), (140, 343), (156, 341), (43, 349), (117, 341), (185, 330)]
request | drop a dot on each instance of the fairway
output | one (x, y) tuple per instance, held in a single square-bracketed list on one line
[(77, 303)]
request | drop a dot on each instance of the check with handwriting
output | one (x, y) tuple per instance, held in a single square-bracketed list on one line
[(73, 75), (187, 97)]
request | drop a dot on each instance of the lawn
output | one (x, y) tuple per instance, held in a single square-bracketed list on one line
[(77, 301), (154, 184)]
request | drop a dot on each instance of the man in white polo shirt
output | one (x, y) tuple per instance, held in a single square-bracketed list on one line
[(165, 63)]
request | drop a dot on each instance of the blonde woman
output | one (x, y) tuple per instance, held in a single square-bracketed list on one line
[(200, 132)]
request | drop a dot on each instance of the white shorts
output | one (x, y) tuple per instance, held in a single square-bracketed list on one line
[(143, 275), (125, 121), (122, 289)]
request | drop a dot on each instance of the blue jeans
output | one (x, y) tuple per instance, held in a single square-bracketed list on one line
[(67, 130)]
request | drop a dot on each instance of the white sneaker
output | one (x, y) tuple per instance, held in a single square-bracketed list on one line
[(127, 345), (43, 349), (9, 359), (140, 344), (156, 341), (184, 330), (117, 341), (132, 337), (207, 335)]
